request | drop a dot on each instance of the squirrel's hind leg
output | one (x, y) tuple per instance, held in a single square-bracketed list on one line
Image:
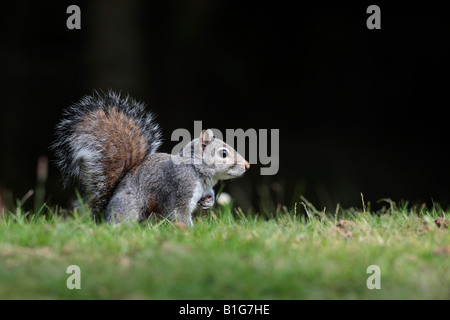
[(125, 205), (118, 214)]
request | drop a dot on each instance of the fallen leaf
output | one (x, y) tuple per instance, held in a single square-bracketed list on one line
[(345, 224), (67, 249), (441, 222), (445, 250), (426, 227), (125, 262), (344, 232), (180, 225)]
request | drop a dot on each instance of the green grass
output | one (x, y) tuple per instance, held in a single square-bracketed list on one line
[(228, 256)]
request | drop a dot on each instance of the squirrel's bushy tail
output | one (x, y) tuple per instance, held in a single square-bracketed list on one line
[(100, 139)]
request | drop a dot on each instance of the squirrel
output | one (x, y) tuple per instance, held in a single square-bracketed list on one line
[(109, 143)]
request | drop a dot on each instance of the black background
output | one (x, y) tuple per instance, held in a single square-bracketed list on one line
[(358, 110)]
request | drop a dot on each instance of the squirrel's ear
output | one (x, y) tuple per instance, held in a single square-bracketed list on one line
[(206, 137)]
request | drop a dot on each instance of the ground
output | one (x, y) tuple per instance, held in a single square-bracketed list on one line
[(292, 254)]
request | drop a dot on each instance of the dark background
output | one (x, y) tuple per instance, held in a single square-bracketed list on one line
[(358, 110)]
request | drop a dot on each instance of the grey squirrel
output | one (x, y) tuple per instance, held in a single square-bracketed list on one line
[(109, 143)]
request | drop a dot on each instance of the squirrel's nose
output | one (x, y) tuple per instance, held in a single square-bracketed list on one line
[(246, 165)]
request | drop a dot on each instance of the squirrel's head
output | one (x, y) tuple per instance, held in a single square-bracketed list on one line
[(218, 158)]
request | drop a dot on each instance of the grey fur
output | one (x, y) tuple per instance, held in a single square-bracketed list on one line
[(78, 156), (162, 184)]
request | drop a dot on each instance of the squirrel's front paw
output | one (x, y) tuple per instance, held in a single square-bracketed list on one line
[(206, 202)]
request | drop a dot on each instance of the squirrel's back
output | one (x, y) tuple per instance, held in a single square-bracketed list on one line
[(100, 139)]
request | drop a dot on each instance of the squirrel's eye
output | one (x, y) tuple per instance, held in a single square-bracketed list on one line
[(223, 153)]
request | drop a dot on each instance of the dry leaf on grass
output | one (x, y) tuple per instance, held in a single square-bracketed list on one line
[(180, 225), (346, 224), (441, 222), (445, 251)]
